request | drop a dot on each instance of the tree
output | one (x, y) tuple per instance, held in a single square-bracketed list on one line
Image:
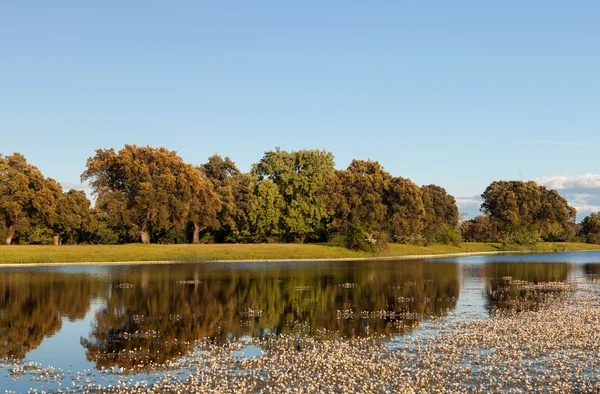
[(525, 211), (299, 176), (479, 229), (145, 188), (204, 205), (72, 216), (440, 223), (265, 214), (25, 194), (590, 228), (355, 199), (227, 182), (405, 210)]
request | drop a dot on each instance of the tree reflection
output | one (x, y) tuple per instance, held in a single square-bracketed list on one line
[(592, 272), (523, 286), (32, 307), (153, 316)]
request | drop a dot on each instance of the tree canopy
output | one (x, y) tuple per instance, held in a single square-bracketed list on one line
[(441, 215), (299, 177), (151, 194), (26, 196), (150, 187), (590, 228), (526, 211)]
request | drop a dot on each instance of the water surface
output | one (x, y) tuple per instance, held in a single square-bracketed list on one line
[(90, 322)]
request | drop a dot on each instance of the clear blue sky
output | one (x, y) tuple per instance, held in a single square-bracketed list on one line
[(453, 93)]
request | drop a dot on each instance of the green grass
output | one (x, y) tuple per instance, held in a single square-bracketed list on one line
[(16, 254)]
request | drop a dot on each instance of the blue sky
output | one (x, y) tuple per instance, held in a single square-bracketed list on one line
[(453, 93)]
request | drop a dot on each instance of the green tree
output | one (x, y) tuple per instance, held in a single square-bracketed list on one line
[(235, 191), (355, 198), (440, 223), (590, 228), (299, 176), (145, 188), (525, 211), (71, 217), (265, 214), (26, 196), (405, 210)]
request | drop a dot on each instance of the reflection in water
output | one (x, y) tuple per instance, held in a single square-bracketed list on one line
[(592, 272), (32, 306), (519, 287), (154, 316)]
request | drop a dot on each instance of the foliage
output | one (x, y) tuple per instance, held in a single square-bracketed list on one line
[(519, 235), (152, 194), (299, 177), (590, 228), (147, 188), (441, 217), (26, 196), (34, 235), (266, 211), (355, 197), (523, 208), (72, 217), (479, 229), (236, 193), (405, 210)]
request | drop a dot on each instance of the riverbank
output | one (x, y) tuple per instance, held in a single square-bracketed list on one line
[(132, 253)]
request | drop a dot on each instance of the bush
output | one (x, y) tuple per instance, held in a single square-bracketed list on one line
[(519, 236), (357, 238), (593, 238), (450, 235)]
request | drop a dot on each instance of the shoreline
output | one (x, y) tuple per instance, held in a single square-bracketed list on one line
[(302, 260)]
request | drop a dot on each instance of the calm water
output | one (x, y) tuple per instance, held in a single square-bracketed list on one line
[(80, 320)]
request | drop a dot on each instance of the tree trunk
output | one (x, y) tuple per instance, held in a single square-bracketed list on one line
[(10, 231), (55, 238), (197, 229), (145, 237)]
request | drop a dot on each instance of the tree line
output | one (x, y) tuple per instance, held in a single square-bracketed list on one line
[(152, 195), (522, 213)]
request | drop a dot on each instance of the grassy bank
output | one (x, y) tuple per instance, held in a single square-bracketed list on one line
[(196, 253)]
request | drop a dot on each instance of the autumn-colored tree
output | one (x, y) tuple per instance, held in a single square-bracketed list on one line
[(72, 215), (479, 229), (299, 177), (26, 196), (33, 307), (204, 204), (147, 187), (440, 223)]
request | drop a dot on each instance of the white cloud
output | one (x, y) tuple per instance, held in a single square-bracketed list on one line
[(579, 182), (462, 201), (72, 185), (468, 206), (582, 191)]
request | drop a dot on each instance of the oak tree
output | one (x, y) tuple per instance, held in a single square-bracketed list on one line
[(299, 177), (25, 194), (145, 188)]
